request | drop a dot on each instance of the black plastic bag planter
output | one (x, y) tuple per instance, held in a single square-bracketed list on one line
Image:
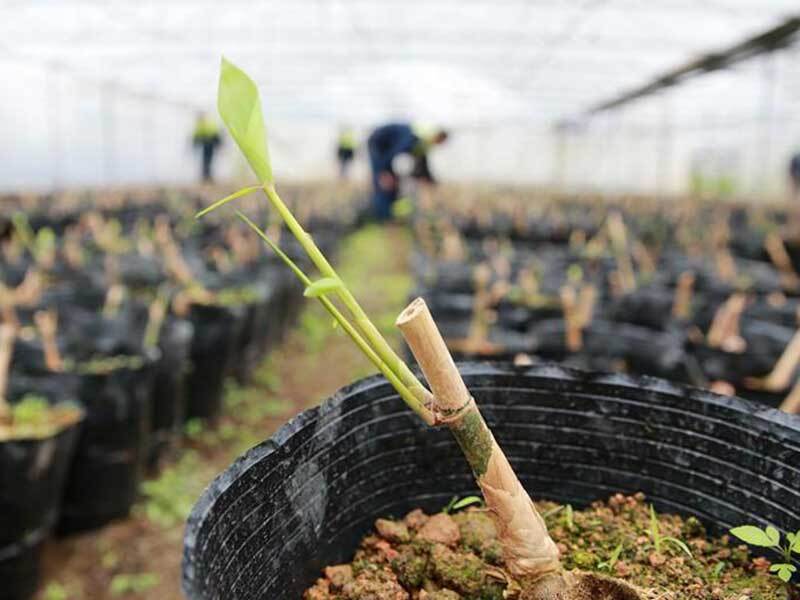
[(33, 473), (112, 449), (216, 329), (169, 388), (302, 499)]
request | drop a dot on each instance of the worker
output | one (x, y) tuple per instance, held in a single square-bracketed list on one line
[(794, 176), (345, 151), (207, 138), (385, 144)]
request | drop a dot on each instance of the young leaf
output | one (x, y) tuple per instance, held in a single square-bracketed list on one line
[(753, 536), (654, 531), (612, 559), (233, 196), (449, 508), (467, 501), (783, 570), (679, 543), (322, 286), (773, 535), (239, 106), (795, 544)]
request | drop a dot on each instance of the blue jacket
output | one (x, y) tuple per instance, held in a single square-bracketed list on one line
[(389, 141), (794, 167)]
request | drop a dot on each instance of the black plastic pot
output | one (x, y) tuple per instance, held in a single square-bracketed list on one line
[(217, 329), (112, 450), (32, 477), (302, 499), (169, 388)]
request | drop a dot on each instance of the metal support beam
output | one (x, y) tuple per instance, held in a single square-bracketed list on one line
[(773, 39)]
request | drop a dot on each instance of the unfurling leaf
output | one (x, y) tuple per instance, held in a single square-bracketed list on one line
[(323, 286), (753, 536), (239, 106)]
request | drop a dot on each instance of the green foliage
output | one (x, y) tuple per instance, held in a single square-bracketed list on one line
[(770, 537), (608, 565), (34, 417), (168, 499), (755, 536), (239, 106), (55, 591), (569, 517), (133, 583), (102, 365), (455, 504), (659, 540)]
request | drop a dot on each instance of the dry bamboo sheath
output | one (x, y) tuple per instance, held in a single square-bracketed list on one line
[(528, 549)]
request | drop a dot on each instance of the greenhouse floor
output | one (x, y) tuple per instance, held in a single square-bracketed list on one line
[(140, 557)]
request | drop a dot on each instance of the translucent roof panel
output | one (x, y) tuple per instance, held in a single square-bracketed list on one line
[(94, 83)]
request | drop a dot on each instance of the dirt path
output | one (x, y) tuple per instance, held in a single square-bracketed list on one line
[(139, 558)]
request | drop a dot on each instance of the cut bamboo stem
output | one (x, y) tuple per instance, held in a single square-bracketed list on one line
[(791, 403), (724, 330), (47, 324), (682, 303), (7, 336), (527, 547), (781, 375)]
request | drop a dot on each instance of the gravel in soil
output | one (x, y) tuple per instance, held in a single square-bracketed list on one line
[(457, 556)]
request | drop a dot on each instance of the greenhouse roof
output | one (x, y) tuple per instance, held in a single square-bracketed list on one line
[(461, 61)]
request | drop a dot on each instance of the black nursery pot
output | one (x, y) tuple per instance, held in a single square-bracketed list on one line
[(169, 388), (217, 328), (112, 449), (303, 499), (32, 477)]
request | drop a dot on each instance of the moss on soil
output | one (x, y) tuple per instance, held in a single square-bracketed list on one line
[(470, 568)]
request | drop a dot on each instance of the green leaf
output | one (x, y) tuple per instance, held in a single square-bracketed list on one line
[(679, 543), (465, 502), (753, 536), (783, 570), (447, 509), (233, 196), (323, 286), (239, 106), (654, 530), (773, 534), (794, 541)]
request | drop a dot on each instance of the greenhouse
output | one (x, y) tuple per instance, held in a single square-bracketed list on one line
[(429, 300)]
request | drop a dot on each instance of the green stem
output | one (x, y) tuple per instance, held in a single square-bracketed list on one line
[(408, 397), (368, 329)]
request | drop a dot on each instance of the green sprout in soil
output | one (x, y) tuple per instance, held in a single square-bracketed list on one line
[(35, 418), (133, 583), (456, 505), (660, 540), (608, 565), (771, 538)]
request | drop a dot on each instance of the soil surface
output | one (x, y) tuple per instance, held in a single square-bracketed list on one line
[(139, 558), (452, 556)]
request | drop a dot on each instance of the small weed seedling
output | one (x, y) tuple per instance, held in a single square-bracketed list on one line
[(771, 538), (456, 505), (660, 540), (608, 565)]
